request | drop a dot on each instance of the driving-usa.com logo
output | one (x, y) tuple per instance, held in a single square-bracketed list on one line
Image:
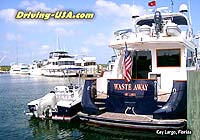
[(55, 15)]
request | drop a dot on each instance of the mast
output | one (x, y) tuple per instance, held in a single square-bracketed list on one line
[(17, 52), (58, 43)]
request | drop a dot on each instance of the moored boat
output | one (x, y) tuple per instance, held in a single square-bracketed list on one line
[(63, 103), (21, 68), (147, 88)]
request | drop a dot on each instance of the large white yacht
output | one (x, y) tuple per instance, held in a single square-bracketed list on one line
[(19, 69), (59, 63), (157, 52)]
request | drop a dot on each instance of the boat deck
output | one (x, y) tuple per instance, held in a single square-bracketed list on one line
[(126, 117)]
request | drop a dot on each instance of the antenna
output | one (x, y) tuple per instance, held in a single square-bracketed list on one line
[(189, 14), (172, 4), (2, 58)]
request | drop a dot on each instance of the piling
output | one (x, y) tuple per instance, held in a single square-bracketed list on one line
[(193, 104)]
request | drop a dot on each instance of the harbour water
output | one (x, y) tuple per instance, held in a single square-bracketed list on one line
[(17, 90)]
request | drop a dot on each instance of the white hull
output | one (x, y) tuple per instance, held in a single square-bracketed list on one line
[(52, 104)]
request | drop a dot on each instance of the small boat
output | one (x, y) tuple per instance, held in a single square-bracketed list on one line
[(62, 103)]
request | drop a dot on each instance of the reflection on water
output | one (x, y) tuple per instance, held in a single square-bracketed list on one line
[(48, 129), (107, 133)]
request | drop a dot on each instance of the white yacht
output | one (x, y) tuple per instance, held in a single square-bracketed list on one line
[(88, 63), (58, 64), (36, 68), (111, 63), (19, 69), (156, 53)]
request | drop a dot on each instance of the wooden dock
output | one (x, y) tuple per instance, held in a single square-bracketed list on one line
[(193, 104)]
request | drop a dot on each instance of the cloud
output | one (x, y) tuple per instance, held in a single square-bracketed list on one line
[(34, 5), (44, 50), (45, 47), (8, 15), (84, 51), (110, 9), (119, 14), (97, 40), (63, 32), (13, 37)]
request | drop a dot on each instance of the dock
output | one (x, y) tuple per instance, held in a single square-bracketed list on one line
[(193, 104)]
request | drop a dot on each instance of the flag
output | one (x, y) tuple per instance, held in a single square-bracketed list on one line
[(127, 65), (152, 3)]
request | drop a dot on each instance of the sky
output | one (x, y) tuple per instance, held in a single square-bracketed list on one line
[(30, 39)]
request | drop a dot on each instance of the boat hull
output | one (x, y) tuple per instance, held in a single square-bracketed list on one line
[(66, 113), (136, 121)]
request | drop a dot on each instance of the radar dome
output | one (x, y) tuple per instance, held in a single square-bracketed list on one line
[(183, 8)]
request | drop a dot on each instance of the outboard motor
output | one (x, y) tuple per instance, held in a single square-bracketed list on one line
[(158, 22)]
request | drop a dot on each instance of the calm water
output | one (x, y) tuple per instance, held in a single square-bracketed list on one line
[(16, 91)]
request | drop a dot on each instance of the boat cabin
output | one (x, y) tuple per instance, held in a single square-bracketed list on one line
[(161, 46)]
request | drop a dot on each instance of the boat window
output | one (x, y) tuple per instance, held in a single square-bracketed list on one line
[(190, 59), (55, 63), (168, 58), (141, 66), (78, 64), (66, 63), (89, 63), (178, 19)]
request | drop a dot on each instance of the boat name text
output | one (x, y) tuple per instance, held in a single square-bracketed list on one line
[(141, 87)]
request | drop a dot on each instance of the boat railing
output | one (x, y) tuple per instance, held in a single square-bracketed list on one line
[(65, 96), (123, 34)]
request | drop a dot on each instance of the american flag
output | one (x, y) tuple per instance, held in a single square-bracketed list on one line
[(127, 65)]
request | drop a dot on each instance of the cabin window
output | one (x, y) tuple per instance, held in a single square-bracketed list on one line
[(190, 59), (55, 63), (89, 63), (66, 63), (78, 64), (169, 58)]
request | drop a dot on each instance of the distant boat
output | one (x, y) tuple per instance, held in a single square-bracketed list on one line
[(111, 63), (19, 69), (57, 62), (89, 65), (35, 68)]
